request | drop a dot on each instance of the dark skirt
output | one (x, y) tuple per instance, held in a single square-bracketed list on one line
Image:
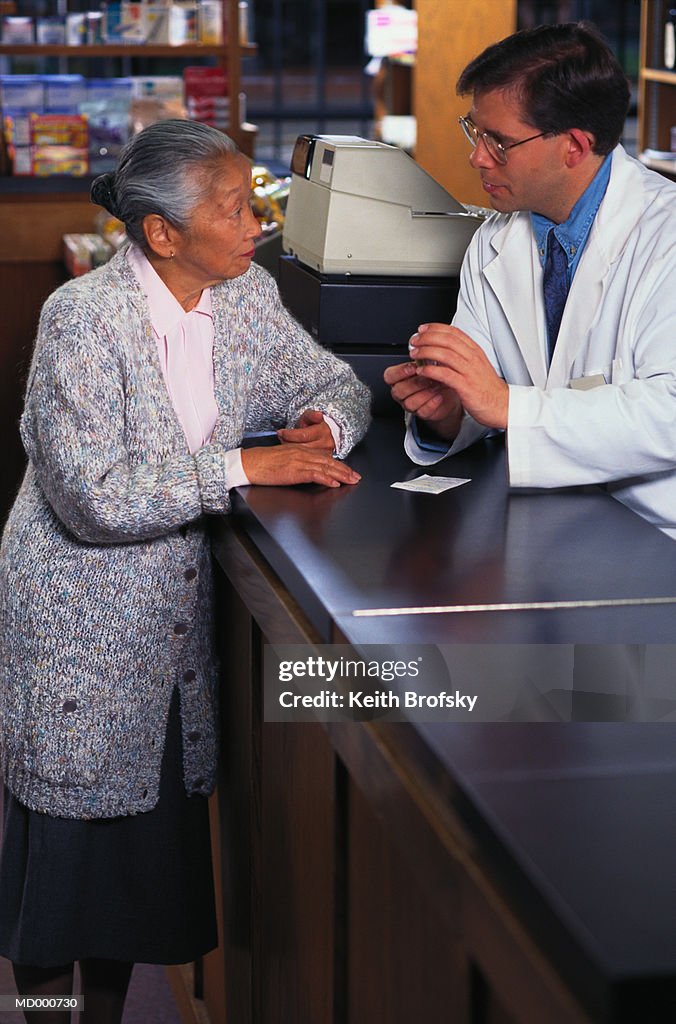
[(137, 888)]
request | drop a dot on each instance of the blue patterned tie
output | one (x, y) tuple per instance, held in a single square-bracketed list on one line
[(555, 286)]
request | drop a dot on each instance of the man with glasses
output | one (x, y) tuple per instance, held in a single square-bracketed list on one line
[(564, 335), (564, 332)]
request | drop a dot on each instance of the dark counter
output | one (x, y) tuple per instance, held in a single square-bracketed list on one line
[(347, 554), (544, 852)]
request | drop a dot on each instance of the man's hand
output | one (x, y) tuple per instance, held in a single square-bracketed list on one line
[(283, 465), (311, 429), (437, 405), (454, 361)]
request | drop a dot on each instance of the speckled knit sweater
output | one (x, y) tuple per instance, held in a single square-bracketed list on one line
[(105, 572)]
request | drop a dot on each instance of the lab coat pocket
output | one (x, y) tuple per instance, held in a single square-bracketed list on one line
[(595, 378), (621, 372)]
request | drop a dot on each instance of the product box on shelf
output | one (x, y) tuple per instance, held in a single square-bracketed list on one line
[(156, 25), (84, 252), (210, 22), (201, 82), (109, 128), (42, 161), (182, 23), (76, 28), (109, 90), (69, 160), (17, 30), (22, 94), (169, 88), (64, 93), (206, 96), (112, 22), (131, 26), (20, 157), (59, 130), (51, 30), (17, 129)]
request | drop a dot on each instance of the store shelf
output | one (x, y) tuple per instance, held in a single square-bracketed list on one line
[(656, 89), (667, 167), (658, 75), (122, 50), (227, 56)]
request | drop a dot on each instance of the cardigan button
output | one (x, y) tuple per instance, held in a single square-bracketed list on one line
[(194, 736), (190, 676), (190, 574), (181, 628), (69, 705)]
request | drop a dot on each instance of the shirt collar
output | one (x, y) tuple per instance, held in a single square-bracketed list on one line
[(573, 232), (166, 312)]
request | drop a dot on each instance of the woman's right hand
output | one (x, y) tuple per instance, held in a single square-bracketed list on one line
[(283, 465)]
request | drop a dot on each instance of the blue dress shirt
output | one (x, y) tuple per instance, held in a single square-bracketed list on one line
[(574, 232)]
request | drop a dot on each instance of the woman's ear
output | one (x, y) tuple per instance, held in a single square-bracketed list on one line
[(160, 235)]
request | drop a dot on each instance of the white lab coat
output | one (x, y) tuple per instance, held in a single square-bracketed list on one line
[(619, 322)]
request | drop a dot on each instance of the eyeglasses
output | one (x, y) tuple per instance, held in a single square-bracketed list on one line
[(495, 149)]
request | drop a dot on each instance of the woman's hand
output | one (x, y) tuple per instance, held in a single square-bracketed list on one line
[(311, 429), (283, 465)]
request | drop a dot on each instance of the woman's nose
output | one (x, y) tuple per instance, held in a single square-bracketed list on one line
[(254, 229)]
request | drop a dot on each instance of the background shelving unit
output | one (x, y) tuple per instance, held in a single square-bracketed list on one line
[(657, 87), (227, 55)]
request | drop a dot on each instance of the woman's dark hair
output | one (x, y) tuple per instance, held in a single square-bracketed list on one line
[(564, 76), (161, 170)]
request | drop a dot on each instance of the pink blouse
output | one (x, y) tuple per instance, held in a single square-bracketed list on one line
[(185, 344)]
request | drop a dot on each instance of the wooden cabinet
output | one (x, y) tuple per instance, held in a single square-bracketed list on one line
[(657, 86), (352, 890), (450, 34)]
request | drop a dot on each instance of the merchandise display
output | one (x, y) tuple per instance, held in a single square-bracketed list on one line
[(270, 195), (177, 23), (204, 31), (107, 110)]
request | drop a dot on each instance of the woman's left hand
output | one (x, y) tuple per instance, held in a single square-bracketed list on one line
[(311, 429)]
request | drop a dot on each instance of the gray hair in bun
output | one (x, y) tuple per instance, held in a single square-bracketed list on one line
[(162, 170), (102, 192)]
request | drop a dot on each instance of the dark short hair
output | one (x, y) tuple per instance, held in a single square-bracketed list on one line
[(564, 76)]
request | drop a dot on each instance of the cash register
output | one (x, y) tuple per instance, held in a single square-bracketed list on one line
[(373, 247)]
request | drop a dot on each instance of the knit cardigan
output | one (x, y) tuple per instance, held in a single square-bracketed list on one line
[(106, 597)]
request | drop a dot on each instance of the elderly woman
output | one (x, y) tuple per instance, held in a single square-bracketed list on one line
[(147, 373)]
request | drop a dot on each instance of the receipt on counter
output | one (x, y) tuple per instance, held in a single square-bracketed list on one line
[(427, 484)]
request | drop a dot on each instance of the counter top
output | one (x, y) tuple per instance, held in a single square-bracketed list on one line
[(374, 564), (573, 823)]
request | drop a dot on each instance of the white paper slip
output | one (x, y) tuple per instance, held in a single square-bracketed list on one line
[(430, 484)]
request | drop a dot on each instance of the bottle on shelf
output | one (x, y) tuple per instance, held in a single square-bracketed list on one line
[(670, 40)]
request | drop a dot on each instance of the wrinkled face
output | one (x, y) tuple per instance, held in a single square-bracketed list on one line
[(219, 243), (534, 175)]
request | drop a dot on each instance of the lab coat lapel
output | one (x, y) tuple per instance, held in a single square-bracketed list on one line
[(517, 293), (621, 207)]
